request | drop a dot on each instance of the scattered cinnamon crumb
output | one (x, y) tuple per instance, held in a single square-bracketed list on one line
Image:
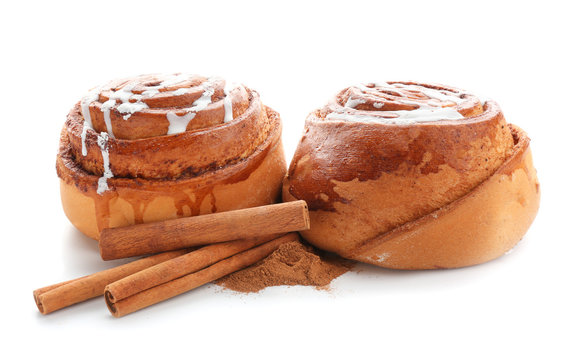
[(292, 263)]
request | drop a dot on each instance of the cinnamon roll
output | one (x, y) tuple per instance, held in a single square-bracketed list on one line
[(413, 176), (156, 147)]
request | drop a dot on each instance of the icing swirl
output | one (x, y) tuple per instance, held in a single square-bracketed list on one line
[(155, 105), (165, 126), (400, 103)]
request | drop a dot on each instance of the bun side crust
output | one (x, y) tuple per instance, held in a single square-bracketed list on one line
[(253, 180), (479, 227)]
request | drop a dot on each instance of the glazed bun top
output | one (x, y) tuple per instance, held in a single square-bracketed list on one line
[(166, 126), (400, 103), (155, 105)]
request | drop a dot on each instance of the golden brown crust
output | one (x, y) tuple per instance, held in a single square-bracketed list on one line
[(481, 226), (230, 165), (364, 180)]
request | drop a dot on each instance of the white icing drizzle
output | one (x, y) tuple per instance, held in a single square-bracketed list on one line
[(352, 103), (367, 119), (424, 113), (150, 92), (105, 108), (403, 117), (442, 95), (92, 96), (125, 94), (130, 108), (180, 91), (128, 103), (179, 123), (173, 80), (203, 101), (228, 111), (126, 107), (103, 180)]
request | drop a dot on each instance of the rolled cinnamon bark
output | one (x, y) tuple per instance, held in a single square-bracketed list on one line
[(58, 296), (181, 266), (381, 158), (187, 232), (184, 274), (158, 147)]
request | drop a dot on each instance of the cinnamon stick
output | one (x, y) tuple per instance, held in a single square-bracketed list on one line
[(58, 296), (181, 266), (181, 233), (122, 300)]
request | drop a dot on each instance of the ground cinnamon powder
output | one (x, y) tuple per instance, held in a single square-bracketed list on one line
[(293, 263)]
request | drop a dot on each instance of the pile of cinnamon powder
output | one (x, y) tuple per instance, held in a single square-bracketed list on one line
[(292, 263)]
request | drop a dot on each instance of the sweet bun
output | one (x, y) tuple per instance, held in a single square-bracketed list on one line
[(157, 147), (413, 176)]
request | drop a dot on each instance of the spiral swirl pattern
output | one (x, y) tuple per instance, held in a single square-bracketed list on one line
[(165, 126), (400, 103), (156, 105)]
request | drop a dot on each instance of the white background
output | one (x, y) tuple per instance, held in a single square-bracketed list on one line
[(297, 55)]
